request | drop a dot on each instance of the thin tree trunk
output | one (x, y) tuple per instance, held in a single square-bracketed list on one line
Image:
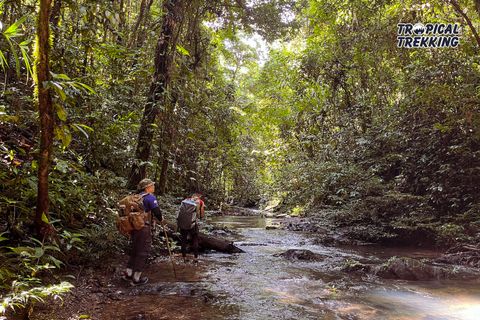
[(122, 16), (141, 36), (162, 163), (459, 10), (477, 6), (46, 115), (167, 138), (163, 63), (163, 174), (55, 19), (137, 24), (135, 40)]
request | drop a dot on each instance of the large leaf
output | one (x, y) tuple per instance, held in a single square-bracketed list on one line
[(57, 86), (60, 76), (182, 50), (56, 262), (85, 87), (63, 134), (3, 60), (61, 112), (45, 218), (26, 60), (82, 128), (2, 238), (13, 30)]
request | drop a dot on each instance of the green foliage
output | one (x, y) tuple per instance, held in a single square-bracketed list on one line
[(10, 34), (23, 273), (340, 116), (329, 115)]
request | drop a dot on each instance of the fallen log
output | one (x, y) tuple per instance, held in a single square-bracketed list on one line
[(217, 244), (205, 242)]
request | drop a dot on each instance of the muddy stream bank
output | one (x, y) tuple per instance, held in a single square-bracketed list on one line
[(273, 279)]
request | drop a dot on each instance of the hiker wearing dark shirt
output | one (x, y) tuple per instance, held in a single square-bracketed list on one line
[(142, 239), (194, 231)]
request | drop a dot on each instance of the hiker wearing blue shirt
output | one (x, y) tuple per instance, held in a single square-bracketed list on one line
[(142, 239)]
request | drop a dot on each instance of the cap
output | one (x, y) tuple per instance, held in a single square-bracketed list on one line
[(142, 185)]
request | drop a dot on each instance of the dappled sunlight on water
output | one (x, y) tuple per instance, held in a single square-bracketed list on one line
[(261, 284), (422, 305)]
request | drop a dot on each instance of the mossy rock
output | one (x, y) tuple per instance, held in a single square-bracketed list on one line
[(409, 269), (404, 268), (301, 254)]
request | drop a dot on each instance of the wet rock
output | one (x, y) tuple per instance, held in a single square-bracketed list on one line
[(208, 297), (301, 254), (353, 266), (409, 269), (219, 233), (272, 227), (324, 239)]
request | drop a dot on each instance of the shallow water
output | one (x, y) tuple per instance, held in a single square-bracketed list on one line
[(264, 286), (258, 284)]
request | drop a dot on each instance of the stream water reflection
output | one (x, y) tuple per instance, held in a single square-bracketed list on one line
[(263, 286), (259, 284)]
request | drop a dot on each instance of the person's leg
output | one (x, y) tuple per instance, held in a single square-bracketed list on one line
[(131, 260), (142, 248), (183, 241), (194, 234)]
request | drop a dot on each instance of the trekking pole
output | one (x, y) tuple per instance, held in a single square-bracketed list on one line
[(169, 252)]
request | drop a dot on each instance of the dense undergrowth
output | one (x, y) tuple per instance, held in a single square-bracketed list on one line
[(419, 186)]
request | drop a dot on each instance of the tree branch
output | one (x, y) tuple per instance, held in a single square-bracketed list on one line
[(459, 10)]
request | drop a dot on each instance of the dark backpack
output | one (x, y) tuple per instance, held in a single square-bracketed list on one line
[(187, 214)]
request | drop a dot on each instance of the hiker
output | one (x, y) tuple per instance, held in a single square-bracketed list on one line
[(142, 239), (190, 209)]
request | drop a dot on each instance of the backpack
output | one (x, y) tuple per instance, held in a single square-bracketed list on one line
[(187, 214), (131, 215)]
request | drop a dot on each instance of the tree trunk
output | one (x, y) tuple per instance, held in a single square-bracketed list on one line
[(136, 39), (163, 63), (167, 140), (163, 174), (477, 6), (46, 116), (460, 11), (217, 244), (55, 19), (206, 242)]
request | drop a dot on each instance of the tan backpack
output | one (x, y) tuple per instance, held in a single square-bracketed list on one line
[(131, 215)]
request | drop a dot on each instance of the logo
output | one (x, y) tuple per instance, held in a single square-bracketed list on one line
[(430, 35)]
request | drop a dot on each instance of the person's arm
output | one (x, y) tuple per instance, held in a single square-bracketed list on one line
[(157, 213), (150, 203)]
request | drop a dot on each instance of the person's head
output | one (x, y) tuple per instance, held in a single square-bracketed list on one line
[(196, 196), (146, 185)]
